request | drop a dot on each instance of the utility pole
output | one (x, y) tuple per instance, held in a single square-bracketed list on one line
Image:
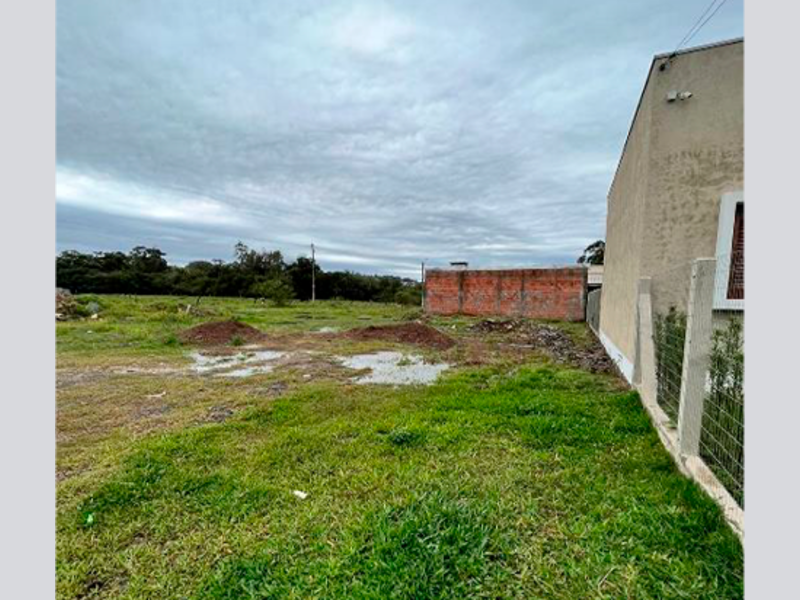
[(313, 275)]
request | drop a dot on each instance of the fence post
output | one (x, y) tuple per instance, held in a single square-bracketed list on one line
[(696, 351), (645, 365)]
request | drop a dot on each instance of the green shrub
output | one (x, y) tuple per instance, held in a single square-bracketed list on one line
[(722, 436), (410, 295), (406, 437), (279, 290)]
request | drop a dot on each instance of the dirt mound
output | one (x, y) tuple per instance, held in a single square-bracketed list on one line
[(221, 332), (405, 333), (553, 341)]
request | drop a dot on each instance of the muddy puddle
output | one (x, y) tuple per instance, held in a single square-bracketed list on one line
[(383, 367), (394, 368), (242, 364)]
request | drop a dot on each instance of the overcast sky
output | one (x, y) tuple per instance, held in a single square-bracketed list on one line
[(384, 132)]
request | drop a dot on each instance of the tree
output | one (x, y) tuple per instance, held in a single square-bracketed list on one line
[(300, 273), (251, 262), (593, 254), (148, 260), (253, 274), (277, 289)]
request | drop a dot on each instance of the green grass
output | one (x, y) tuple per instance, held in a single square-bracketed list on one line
[(147, 325), (523, 481)]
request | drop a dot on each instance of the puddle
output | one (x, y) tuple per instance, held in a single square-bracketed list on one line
[(242, 364), (246, 371), (393, 368)]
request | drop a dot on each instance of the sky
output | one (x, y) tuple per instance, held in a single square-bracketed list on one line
[(386, 133)]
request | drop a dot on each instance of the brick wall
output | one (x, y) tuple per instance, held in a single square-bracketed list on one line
[(534, 293)]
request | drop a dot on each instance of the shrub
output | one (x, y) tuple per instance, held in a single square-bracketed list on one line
[(722, 434), (409, 295), (279, 290), (406, 437)]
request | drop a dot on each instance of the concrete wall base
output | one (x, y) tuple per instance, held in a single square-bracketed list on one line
[(624, 365)]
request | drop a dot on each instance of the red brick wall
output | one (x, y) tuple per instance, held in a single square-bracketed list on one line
[(534, 293)]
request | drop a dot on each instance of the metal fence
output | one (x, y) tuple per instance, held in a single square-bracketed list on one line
[(722, 428), (670, 296), (698, 346)]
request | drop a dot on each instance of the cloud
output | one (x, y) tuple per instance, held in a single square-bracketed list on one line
[(372, 30), (385, 132), (113, 197)]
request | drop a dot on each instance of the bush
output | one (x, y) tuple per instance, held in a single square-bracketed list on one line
[(278, 290), (405, 437), (722, 436), (410, 295)]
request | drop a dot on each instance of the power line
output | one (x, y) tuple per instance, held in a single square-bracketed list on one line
[(699, 24), (706, 21), (700, 18)]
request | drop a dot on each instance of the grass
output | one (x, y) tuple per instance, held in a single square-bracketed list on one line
[(523, 480)]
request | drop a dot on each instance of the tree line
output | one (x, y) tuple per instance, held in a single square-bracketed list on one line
[(251, 274)]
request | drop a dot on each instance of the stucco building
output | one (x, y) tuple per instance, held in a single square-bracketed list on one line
[(678, 192)]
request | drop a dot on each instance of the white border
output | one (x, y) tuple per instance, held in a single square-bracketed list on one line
[(625, 366), (727, 213)]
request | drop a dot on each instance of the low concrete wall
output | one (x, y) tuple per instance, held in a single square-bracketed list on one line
[(545, 293)]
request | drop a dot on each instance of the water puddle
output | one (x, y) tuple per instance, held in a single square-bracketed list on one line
[(242, 364), (327, 330), (393, 368), (246, 371)]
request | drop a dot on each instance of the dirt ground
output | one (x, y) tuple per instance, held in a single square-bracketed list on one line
[(221, 332), (551, 340)]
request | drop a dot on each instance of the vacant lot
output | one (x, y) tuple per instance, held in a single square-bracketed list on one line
[(271, 465)]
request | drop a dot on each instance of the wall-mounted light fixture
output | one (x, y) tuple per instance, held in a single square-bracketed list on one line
[(673, 95)]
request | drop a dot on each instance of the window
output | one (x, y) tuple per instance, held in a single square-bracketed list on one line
[(729, 284)]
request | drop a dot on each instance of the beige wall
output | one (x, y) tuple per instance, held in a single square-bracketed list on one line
[(624, 226), (663, 206)]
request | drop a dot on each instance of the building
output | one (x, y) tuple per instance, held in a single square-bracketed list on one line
[(594, 279), (678, 192)]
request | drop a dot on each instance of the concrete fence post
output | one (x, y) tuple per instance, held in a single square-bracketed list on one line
[(644, 367), (696, 351)]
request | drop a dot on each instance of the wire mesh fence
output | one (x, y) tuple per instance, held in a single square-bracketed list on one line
[(722, 428), (713, 343), (670, 297)]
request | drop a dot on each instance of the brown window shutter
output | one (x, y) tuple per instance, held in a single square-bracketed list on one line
[(736, 275)]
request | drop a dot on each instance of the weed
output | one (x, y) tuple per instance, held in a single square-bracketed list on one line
[(405, 437)]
